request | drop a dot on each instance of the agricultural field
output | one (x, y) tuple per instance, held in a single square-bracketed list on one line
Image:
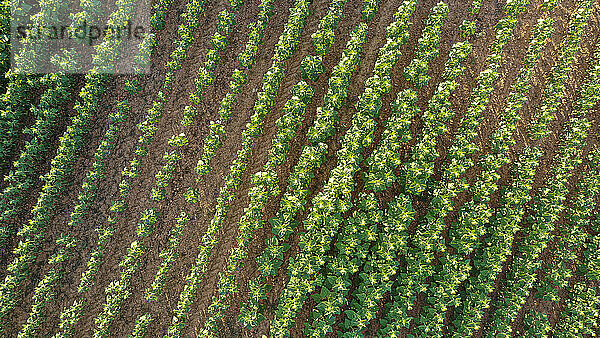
[(292, 168)]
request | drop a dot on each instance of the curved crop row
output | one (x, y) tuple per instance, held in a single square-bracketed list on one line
[(323, 38), (169, 255), (427, 47), (375, 276), (582, 308), (324, 217), (14, 104), (206, 78), (428, 238), (505, 223), (547, 207), (375, 279), (45, 292), (212, 142), (360, 230), (118, 290), (47, 113), (286, 46), (312, 66), (33, 233), (23, 176), (568, 241), (148, 127), (265, 186), (465, 233)]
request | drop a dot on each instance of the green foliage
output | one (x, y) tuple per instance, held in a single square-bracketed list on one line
[(369, 9), (467, 28), (141, 326), (148, 220), (311, 67)]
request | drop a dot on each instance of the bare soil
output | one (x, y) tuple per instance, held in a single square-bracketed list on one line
[(202, 212)]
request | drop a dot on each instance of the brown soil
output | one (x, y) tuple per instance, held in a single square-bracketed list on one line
[(203, 212)]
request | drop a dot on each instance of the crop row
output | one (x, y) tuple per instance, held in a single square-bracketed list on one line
[(464, 233), (55, 181), (285, 47), (503, 226), (71, 315), (382, 163), (323, 38), (117, 291), (212, 142), (427, 239), (355, 247), (582, 306), (265, 186), (46, 289), (568, 240), (360, 230), (325, 217), (549, 202), (427, 47), (22, 176)]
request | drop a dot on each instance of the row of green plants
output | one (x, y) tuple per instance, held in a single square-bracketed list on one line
[(213, 141), (311, 67), (206, 73), (464, 233), (56, 181), (23, 174), (328, 205), (375, 278), (380, 267), (503, 225), (548, 203), (427, 237), (578, 319), (149, 218), (427, 47), (582, 304), (310, 159), (356, 247), (205, 79), (168, 256), (117, 291), (285, 47), (378, 261), (140, 329), (386, 59), (568, 241), (265, 186), (15, 102), (4, 42), (71, 315), (15, 88), (323, 38), (48, 112), (45, 291), (296, 195)]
